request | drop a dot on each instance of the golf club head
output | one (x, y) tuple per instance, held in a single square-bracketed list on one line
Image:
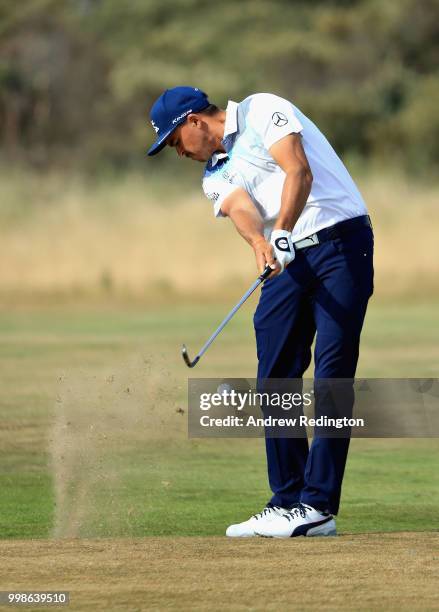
[(188, 362)]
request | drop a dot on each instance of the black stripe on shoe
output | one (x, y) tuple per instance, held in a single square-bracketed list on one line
[(302, 530)]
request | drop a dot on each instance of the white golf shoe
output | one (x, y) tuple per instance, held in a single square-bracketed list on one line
[(301, 520), (258, 521)]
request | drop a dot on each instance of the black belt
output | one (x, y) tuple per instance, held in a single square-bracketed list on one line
[(335, 231)]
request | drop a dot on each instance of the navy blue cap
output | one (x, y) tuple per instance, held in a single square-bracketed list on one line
[(171, 109)]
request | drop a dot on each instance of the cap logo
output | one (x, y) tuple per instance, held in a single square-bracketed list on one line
[(156, 127), (181, 116)]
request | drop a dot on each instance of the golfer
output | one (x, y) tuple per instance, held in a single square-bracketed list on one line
[(275, 175)]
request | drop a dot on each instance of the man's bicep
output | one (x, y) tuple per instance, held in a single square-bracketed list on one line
[(217, 191), (273, 118), (289, 153), (239, 200)]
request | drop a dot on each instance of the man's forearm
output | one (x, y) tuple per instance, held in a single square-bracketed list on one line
[(249, 224), (295, 192)]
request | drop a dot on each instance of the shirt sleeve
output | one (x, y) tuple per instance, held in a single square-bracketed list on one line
[(273, 118), (217, 191)]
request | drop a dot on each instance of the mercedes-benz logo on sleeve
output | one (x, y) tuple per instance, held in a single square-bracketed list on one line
[(279, 119)]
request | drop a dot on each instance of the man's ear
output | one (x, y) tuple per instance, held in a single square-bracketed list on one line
[(194, 120)]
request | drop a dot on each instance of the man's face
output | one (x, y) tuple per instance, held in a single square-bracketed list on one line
[(192, 139)]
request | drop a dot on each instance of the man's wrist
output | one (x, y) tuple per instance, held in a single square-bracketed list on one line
[(283, 225), (254, 240)]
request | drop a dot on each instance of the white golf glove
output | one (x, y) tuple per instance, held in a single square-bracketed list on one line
[(283, 247)]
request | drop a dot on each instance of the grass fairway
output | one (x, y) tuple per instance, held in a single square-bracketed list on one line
[(93, 444)]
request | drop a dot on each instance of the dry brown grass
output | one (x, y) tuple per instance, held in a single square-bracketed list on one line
[(397, 571), (121, 238)]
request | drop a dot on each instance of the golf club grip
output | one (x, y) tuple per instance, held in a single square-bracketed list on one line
[(266, 273)]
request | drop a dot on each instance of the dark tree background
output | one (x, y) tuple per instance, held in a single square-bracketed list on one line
[(77, 76)]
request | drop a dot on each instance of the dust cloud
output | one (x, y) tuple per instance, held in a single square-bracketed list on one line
[(100, 418)]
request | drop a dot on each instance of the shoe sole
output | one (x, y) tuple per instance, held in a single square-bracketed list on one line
[(330, 534), (323, 530)]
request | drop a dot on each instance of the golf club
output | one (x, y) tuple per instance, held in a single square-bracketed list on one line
[(190, 364)]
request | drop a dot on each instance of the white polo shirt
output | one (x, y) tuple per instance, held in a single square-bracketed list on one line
[(251, 128)]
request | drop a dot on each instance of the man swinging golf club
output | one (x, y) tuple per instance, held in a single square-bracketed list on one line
[(275, 175)]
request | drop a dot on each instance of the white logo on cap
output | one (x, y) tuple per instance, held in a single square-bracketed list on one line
[(155, 126), (181, 116)]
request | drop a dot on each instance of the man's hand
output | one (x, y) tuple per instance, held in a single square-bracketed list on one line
[(283, 247), (265, 255)]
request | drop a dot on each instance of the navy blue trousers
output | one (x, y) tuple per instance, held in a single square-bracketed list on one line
[(324, 293)]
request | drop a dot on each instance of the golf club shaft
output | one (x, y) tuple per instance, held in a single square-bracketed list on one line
[(265, 274)]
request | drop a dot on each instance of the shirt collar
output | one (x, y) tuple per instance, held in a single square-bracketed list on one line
[(230, 127), (231, 123)]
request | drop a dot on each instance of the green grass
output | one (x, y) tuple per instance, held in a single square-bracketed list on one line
[(26, 499), (139, 485), (389, 486)]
